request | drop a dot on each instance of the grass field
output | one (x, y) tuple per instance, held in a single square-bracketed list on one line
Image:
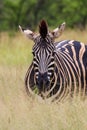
[(20, 112)]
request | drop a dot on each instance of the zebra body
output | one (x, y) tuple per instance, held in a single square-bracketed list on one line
[(58, 68), (71, 60)]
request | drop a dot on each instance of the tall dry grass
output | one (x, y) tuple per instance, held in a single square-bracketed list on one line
[(20, 112)]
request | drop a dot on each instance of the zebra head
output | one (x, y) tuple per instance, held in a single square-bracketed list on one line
[(43, 54)]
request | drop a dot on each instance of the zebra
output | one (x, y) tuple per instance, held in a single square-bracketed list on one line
[(58, 68)]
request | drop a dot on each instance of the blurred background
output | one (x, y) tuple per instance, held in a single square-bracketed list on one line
[(28, 13)]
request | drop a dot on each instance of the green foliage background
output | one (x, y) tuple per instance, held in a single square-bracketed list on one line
[(28, 13)]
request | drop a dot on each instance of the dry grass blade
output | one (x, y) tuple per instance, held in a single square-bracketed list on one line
[(20, 112)]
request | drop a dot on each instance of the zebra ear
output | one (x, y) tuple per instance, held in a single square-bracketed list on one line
[(58, 31), (28, 33)]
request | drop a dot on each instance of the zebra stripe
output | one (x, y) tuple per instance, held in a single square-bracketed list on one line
[(70, 70), (58, 69)]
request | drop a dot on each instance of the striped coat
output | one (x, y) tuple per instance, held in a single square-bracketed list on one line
[(68, 65)]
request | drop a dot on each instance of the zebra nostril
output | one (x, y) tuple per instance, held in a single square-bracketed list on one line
[(47, 83), (42, 81)]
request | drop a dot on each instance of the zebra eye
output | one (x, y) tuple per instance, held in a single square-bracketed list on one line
[(53, 53), (33, 53)]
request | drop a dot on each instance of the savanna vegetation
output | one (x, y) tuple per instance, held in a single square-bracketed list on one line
[(18, 111)]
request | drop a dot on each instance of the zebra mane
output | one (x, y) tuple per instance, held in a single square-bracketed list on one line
[(43, 29)]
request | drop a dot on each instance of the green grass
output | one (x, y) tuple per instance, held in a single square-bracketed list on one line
[(15, 51), (20, 112)]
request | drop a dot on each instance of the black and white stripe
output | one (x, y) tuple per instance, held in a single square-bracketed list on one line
[(72, 66), (58, 69)]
